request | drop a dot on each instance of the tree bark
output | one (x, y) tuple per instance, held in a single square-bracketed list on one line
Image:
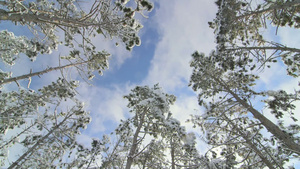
[(37, 144), (265, 48), (271, 8), (252, 146), (11, 140), (135, 141), (270, 126), (9, 80), (45, 18), (172, 154)]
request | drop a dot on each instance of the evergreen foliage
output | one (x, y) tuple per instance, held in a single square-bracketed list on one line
[(45, 122), (226, 81)]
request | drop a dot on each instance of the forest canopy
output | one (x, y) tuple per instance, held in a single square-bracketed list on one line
[(242, 124)]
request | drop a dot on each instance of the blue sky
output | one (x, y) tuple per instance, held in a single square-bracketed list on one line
[(173, 31)]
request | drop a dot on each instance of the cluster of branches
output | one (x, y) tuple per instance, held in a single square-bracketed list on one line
[(152, 138), (236, 129), (46, 121)]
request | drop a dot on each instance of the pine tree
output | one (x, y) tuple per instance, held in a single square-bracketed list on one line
[(226, 80), (44, 125)]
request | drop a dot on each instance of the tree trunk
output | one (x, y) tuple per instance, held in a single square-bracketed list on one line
[(271, 8), (270, 126), (9, 80), (281, 48), (172, 154), (252, 146), (135, 141), (11, 140), (36, 145), (44, 17)]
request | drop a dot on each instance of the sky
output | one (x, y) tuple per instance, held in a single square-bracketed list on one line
[(170, 35), (173, 31)]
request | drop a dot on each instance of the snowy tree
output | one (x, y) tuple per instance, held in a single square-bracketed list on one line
[(226, 79), (239, 26), (48, 150), (241, 20), (230, 89), (116, 151), (38, 122), (169, 145), (17, 106), (174, 148), (150, 107), (41, 118), (110, 18), (236, 139), (97, 62), (88, 157), (45, 19), (181, 146), (153, 156)]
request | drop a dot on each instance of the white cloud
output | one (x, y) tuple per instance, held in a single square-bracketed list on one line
[(288, 36), (183, 29), (107, 106), (118, 54), (269, 76), (183, 108)]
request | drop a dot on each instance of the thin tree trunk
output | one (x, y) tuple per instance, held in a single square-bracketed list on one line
[(270, 126), (45, 18), (135, 141), (37, 144), (252, 146), (265, 48), (172, 154), (271, 8), (9, 80), (11, 140), (145, 161)]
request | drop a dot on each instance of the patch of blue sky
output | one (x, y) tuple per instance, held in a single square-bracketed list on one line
[(172, 32), (17, 29), (135, 68)]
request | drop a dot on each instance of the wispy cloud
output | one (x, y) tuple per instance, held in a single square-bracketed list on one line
[(107, 106), (183, 28)]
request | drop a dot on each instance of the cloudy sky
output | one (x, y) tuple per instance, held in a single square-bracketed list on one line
[(173, 31), (170, 35)]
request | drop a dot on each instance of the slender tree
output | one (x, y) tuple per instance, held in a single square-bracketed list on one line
[(45, 149), (170, 145), (17, 106), (234, 89), (28, 110), (87, 157), (36, 113), (45, 19), (237, 85), (153, 156), (226, 80), (97, 62), (238, 27), (150, 106), (241, 20), (237, 139)]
